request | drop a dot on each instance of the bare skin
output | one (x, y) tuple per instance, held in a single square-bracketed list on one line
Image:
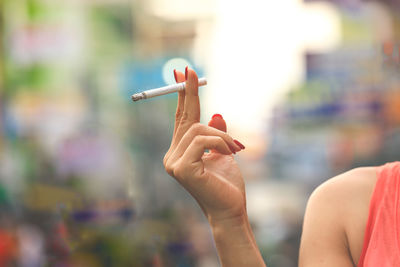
[(337, 211), (335, 220)]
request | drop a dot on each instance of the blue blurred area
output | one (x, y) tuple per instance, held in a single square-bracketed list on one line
[(140, 76)]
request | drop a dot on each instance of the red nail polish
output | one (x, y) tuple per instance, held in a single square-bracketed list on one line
[(233, 151), (176, 79), (239, 144), (217, 115), (186, 72)]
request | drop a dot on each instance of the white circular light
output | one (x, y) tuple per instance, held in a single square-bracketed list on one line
[(168, 68)]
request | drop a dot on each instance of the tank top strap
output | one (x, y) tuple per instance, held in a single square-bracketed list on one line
[(381, 239)]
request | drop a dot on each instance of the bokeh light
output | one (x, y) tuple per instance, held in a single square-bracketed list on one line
[(270, 61), (175, 63)]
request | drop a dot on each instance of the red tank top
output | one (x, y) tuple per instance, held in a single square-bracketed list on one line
[(382, 235)]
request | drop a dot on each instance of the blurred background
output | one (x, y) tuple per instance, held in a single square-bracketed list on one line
[(312, 88)]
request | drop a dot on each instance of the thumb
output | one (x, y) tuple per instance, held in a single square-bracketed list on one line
[(217, 122)]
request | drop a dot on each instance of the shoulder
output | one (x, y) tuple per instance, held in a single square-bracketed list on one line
[(356, 184), (336, 214), (342, 198)]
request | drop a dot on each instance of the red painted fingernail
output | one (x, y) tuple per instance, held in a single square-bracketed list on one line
[(176, 79), (186, 72), (233, 151), (217, 115), (239, 144)]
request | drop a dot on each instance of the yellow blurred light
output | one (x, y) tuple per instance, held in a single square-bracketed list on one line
[(257, 55), (181, 9), (252, 53)]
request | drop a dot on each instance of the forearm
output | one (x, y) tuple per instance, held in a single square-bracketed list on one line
[(235, 243)]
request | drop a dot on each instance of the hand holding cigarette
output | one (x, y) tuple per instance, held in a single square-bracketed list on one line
[(213, 178)]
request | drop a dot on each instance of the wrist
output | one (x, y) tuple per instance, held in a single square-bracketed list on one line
[(232, 221), (235, 241), (228, 217), (234, 227)]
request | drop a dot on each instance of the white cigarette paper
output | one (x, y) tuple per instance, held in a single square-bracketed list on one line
[(164, 90)]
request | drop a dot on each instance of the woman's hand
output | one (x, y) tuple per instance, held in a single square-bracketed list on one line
[(212, 178)]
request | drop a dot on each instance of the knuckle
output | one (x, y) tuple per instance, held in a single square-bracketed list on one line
[(178, 171), (169, 169), (184, 117), (178, 114), (219, 140), (167, 165), (221, 134), (198, 139), (165, 160), (196, 128), (227, 137)]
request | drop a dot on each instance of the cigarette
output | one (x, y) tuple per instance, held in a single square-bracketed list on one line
[(164, 90)]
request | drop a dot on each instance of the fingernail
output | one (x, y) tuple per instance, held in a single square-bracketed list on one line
[(176, 79), (239, 144), (186, 72), (217, 115), (233, 151)]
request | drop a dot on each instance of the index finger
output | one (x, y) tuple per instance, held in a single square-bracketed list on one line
[(179, 77), (191, 106)]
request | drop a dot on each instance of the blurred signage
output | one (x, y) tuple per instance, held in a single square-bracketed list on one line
[(49, 198)]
